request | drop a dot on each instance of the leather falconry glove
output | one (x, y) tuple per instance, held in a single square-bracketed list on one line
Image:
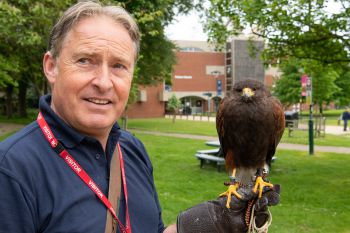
[(213, 216)]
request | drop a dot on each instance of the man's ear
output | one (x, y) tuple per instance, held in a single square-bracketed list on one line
[(50, 67)]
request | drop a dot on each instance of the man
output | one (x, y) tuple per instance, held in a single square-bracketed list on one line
[(54, 174), (346, 117)]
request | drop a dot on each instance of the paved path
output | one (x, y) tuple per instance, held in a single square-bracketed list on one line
[(7, 128), (287, 146), (330, 129)]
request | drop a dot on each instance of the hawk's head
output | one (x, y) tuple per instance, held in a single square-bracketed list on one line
[(249, 89)]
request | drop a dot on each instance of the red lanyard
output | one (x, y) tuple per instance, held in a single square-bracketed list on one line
[(84, 176)]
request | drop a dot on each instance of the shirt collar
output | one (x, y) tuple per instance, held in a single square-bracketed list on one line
[(67, 135)]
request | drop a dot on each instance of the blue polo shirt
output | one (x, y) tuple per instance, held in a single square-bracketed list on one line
[(40, 193)]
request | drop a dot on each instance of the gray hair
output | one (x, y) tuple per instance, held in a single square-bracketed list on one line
[(86, 9)]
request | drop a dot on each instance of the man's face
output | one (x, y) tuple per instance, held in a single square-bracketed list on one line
[(92, 75)]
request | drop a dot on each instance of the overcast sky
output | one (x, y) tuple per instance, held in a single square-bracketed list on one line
[(188, 27)]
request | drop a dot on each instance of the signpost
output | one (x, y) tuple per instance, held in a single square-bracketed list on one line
[(306, 90)]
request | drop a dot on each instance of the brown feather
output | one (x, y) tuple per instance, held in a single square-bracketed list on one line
[(249, 128)]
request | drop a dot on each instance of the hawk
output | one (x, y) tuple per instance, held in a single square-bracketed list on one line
[(250, 123)]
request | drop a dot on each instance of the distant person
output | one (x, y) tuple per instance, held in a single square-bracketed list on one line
[(345, 118)]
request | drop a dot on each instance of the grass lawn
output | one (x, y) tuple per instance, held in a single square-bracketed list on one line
[(315, 189), (180, 126), (327, 113), (209, 129), (301, 137)]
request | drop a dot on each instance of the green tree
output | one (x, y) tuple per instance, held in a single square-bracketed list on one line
[(173, 106), (324, 86), (304, 30), (288, 87), (297, 28), (342, 96), (25, 26), (323, 82)]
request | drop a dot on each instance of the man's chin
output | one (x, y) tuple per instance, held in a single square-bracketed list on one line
[(97, 125)]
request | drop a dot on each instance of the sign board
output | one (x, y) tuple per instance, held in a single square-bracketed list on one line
[(304, 80), (218, 86), (309, 91), (306, 88)]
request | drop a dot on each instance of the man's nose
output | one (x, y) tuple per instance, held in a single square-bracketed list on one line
[(102, 79)]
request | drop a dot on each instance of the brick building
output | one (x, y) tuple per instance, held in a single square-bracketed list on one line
[(201, 78)]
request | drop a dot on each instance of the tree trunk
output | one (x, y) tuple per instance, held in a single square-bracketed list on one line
[(174, 117), (22, 100), (321, 108), (9, 108)]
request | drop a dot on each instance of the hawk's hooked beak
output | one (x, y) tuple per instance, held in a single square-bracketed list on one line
[(247, 92)]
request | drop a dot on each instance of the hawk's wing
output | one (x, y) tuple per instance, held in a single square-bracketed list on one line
[(279, 123), (220, 127)]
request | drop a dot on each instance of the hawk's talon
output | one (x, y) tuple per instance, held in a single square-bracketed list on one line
[(232, 189), (260, 183)]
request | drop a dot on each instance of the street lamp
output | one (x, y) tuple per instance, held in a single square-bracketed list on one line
[(218, 85), (311, 123), (209, 95)]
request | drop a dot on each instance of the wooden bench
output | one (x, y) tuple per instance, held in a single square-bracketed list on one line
[(220, 161)]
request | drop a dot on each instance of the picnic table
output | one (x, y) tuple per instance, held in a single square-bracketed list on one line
[(220, 160), (211, 155)]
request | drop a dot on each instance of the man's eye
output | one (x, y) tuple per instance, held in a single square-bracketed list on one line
[(83, 60), (119, 66)]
